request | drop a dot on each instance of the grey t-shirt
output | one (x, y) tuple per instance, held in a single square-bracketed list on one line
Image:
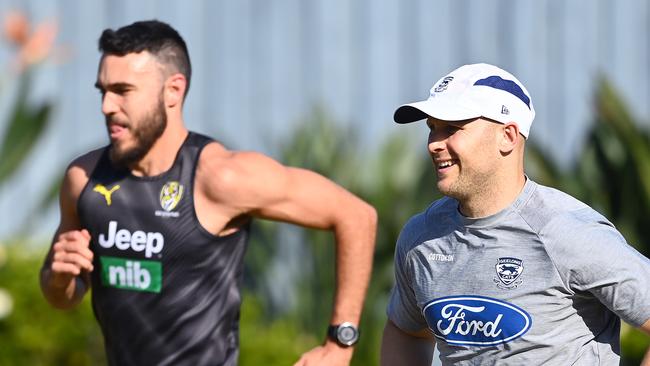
[(544, 281)]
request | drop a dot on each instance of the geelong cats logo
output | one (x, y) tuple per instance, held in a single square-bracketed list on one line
[(443, 84), (508, 272)]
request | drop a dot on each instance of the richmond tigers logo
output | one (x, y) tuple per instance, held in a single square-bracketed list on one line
[(170, 194)]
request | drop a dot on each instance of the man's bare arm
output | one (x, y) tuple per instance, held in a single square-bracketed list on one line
[(253, 184), (400, 348), (65, 275)]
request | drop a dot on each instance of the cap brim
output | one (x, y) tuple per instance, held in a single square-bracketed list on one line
[(417, 111), (409, 113)]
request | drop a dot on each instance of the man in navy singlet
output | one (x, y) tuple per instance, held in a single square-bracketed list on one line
[(157, 222)]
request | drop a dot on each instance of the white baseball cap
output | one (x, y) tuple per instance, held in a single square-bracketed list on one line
[(472, 91)]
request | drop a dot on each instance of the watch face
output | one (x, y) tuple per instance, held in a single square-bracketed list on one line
[(347, 334)]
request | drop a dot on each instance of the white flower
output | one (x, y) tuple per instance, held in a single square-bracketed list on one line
[(6, 303)]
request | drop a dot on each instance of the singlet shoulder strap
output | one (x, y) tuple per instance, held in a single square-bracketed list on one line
[(197, 140), (104, 170)]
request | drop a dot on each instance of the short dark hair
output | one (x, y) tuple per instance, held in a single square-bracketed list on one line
[(153, 36)]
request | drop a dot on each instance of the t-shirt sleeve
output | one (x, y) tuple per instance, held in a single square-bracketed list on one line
[(403, 309), (595, 258)]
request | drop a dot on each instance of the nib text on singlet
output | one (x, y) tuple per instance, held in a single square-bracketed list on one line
[(130, 274)]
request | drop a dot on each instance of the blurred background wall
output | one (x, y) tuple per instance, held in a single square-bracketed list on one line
[(261, 66)]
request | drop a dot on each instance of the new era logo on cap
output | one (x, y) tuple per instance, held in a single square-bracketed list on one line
[(472, 91)]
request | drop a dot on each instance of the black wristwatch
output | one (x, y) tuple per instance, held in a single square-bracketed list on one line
[(345, 334)]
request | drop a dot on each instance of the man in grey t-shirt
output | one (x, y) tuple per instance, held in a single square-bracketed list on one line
[(504, 271)]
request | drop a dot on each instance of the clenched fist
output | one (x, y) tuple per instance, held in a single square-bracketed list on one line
[(71, 256)]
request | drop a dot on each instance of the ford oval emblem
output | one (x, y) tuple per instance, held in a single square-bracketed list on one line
[(475, 320)]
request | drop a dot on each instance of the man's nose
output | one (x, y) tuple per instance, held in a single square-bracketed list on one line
[(109, 104), (436, 141)]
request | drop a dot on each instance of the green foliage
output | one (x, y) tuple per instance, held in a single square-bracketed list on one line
[(269, 342), (25, 125), (27, 334), (612, 172), (634, 345), (36, 334)]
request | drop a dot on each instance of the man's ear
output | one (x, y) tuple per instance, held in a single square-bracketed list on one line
[(509, 137), (175, 86)]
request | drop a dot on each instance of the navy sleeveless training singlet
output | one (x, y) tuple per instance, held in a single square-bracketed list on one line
[(164, 290)]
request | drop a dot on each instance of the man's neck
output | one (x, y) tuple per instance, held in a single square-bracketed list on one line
[(494, 198), (162, 154)]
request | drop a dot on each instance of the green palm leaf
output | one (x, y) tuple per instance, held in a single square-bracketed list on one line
[(26, 125)]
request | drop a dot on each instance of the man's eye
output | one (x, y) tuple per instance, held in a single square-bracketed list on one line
[(448, 129)]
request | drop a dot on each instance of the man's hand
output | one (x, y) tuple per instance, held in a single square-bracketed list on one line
[(330, 354), (65, 274), (70, 256)]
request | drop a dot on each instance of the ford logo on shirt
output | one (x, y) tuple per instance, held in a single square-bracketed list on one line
[(475, 320)]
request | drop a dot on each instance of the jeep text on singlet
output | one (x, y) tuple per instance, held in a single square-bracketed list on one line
[(123, 239)]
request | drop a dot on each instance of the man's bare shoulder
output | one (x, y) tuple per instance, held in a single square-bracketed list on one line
[(215, 155), (225, 172), (78, 172)]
